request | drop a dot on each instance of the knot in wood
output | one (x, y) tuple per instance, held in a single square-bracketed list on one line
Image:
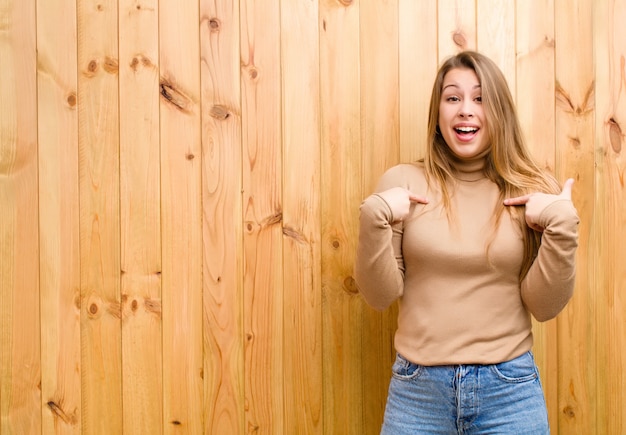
[(92, 67), (71, 99), (174, 96), (214, 25), (615, 135), (253, 73), (349, 286), (459, 39), (219, 112), (569, 412), (111, 65)]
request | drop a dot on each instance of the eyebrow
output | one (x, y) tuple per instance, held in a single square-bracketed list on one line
[(454, 85)]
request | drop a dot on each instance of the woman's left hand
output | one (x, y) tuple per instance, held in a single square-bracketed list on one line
[(536, 202)]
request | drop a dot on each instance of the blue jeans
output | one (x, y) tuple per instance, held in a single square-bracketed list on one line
[(504, 398)]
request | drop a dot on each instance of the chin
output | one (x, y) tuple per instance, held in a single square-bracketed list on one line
[(466, 154)]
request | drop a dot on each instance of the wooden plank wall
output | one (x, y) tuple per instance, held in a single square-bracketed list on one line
[(179, 192)]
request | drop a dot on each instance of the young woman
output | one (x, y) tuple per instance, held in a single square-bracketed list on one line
[(472, 241)]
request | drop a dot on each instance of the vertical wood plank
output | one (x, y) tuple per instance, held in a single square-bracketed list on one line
[(381, 150), (456, 21), (142, 381), (302, 316), (222, 217), (59, 217), (610, 215), (341, 195), (575, 110), (98, 139), (263, 216), (495, 36), (536, 111), (20, 369), (417, 68), (535, 78), (379, 89), (181, 216)]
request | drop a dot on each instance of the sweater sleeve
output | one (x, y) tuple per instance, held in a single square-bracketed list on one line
[(549, 284), (379, 267)]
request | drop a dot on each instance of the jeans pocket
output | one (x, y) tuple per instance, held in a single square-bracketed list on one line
[(520, 369), (404, 369)]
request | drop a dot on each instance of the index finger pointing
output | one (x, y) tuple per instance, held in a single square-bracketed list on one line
[(519, 200), (418, 199)]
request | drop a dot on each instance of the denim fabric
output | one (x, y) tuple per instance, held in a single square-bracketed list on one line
[(504, 398)]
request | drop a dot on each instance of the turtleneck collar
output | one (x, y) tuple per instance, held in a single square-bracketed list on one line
[(469, 169)]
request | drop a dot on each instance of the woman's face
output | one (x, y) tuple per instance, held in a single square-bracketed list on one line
[(461, 116)]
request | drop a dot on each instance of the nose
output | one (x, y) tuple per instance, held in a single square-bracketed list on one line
[(465, 111)]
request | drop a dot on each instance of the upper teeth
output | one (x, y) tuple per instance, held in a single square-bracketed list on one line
[(467, 129)]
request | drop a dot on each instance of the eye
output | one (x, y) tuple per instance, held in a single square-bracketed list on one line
[(452, 98), (479, 99)]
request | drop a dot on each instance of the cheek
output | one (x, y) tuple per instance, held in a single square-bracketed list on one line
[(447, 136), (480, 113), (485, 128), (442, 117), (484, 124)]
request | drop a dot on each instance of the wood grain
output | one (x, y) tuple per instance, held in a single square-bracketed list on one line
[(341, 195), (20, 370), (417, 68), (179, 196), (302, 315), (535, 89), (181, 217), (495, 21), (535, 78), (263, 216), (575, 111), (59, 218), (381, 150), (222, 218), (140, 214), (456, 25), (609, 229), (98, 141)]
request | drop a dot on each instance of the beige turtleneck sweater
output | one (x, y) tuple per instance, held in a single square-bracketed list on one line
[(458, 304)]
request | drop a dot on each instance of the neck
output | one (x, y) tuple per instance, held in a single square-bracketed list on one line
[(472, 169)]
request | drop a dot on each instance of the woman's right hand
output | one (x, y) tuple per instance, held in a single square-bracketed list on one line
[(400, 200)]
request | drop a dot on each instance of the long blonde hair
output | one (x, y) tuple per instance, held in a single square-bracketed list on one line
[(509, 163)]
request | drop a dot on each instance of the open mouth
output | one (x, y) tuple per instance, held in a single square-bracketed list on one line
[(463, 131)]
